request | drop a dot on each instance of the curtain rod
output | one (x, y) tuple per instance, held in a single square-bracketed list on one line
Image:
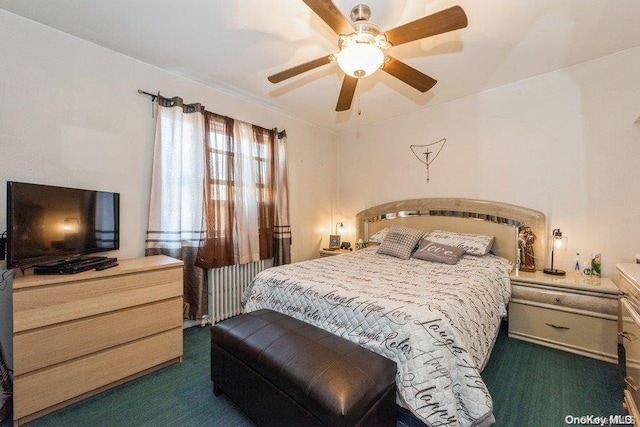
[(153, 97), (280, 134)]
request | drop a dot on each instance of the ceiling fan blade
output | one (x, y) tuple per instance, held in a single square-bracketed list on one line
[(346, 93), (329, 13), (444, 21), (299, 69), (409, 75)]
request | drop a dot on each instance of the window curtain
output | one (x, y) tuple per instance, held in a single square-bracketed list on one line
[(282, 228), (264, 164), (176, 224), (247, 248), (215, 194), (239, 206), (217, 249)]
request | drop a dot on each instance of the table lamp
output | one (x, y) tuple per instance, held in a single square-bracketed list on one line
[(558, 242)]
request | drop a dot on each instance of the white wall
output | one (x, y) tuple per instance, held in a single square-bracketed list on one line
[(563, 143), (70, 115)]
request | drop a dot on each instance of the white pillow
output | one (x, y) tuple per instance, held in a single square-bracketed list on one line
[(473, 244), (379, 236)]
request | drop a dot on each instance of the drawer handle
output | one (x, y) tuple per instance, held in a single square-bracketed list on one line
[(557, 326), (628, 335), (631, 383)]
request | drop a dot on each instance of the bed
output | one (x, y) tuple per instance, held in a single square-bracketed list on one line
[(438, 321)]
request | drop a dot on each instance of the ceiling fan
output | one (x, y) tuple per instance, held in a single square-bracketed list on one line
[(362, 46)]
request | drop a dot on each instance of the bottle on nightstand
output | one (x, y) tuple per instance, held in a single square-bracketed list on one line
[(586, 267)]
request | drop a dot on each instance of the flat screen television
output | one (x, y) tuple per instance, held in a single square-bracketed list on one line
[(47, 223)]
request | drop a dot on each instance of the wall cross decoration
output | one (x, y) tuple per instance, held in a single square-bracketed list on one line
[(425, 153)]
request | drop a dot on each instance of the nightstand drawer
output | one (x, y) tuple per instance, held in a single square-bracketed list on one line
[(605, 304), (629, 289), (581, 333)]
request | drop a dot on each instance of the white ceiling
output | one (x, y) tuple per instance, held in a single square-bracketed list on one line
[(235, 45)]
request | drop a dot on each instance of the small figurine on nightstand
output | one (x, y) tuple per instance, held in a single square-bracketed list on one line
[(526, 238)]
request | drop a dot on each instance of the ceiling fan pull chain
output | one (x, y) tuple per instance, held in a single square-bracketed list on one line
[(358, 89)]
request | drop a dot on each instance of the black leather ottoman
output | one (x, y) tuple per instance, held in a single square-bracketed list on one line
[(281, 372)]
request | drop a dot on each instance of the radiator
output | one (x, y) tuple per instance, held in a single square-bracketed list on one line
[(226, 286)]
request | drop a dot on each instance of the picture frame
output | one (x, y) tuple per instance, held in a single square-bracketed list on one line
[(334, 241)]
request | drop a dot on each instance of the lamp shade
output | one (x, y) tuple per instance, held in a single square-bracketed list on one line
[(360, 59), (558, 242)]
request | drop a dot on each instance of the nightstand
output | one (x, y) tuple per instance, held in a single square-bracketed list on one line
[(328, 252), (578, 314)]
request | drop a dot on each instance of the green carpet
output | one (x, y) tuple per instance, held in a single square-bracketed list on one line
[(533, 385), (530, 385)]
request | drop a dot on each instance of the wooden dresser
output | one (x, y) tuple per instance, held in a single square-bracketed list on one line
[(629, 334), (76, 335), (575, 314)]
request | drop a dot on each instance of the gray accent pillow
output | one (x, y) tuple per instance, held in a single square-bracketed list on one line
[(400, 242), (432, 251), (474, 244)]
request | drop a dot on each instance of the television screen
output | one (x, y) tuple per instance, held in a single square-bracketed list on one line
[(47, 223)]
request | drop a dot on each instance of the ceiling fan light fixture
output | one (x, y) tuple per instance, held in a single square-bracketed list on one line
[(360, 59), (362, 46)]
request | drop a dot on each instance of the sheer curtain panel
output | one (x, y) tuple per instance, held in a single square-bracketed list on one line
[(176, 224), (282, 228), (217, 249), (264, 142), (245, 180)]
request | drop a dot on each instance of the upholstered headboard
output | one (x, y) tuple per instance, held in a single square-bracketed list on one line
[(501, 220)]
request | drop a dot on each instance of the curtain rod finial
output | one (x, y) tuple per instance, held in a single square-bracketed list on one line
[(153, 97)]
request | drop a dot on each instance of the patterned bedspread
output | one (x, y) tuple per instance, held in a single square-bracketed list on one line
[(437, 321)]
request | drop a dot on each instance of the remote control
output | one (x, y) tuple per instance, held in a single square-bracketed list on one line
[(105, 266)]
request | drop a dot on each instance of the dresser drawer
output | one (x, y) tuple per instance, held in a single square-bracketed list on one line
[(631, 405), (630, 336), (580, 333), (604, 304), (50, 345), (45, 305), (65, 381)]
